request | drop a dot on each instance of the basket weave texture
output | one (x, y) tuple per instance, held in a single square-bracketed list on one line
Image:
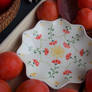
[(7, 17)]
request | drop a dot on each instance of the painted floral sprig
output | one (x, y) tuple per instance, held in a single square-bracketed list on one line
[(67, 75), (33, 63), (78, 61), (67, 30), (51, 33), (37, 35), (39, 50), (54, 70), (74, 39)]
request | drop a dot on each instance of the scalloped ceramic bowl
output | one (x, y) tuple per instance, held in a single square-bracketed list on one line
[(56, 52)]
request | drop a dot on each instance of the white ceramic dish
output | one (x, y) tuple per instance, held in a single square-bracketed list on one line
[(56, 52)]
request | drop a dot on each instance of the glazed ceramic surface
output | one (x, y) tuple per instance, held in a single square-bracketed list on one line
[(56, 52)]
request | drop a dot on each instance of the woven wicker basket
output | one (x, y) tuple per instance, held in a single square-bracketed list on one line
[(7, 17)]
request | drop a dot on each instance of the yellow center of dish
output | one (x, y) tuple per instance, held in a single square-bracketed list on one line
[(90, 43), (57, 51)]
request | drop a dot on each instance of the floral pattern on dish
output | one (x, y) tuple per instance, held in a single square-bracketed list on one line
[(56, 52)]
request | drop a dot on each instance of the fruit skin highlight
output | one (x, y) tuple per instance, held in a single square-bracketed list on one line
[(84, 18), (85, 3), (4, 87), (10, 65), (33, 85), (47, 11)]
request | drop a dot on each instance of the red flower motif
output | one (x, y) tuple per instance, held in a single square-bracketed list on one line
[(66, 45), (81, 52), (66, 31), (66, 72), (56, 61), (53, 43), (68, 56), (46, 51), (38, 37), (36, 62)]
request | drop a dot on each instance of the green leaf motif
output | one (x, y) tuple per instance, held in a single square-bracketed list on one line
[(74, 39), (67, 77), (68, 27), (50, 33), (53, 71), (78, 61), (30, 63)]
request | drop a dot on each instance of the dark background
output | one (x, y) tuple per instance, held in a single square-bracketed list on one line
[(25, 8)]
